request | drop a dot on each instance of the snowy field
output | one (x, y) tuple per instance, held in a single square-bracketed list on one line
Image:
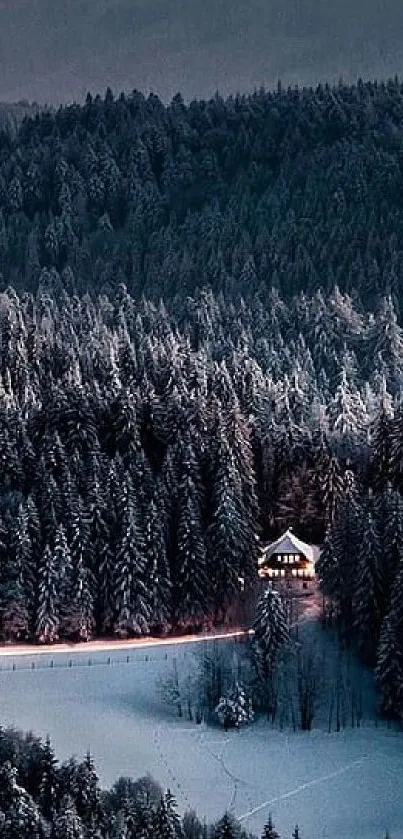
[(346, 785)]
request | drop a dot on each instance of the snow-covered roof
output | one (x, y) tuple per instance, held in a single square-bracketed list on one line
[(288, 543)]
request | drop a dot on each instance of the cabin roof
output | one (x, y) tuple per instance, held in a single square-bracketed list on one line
[(288, 543)]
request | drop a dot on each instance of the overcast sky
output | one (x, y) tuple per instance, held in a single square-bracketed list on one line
[(56, 50)]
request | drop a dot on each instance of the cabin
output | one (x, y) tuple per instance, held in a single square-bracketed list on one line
[(288, 560)]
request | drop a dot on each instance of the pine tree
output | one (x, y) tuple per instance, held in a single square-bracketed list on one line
[(368, 590), (49, 784), (88, 797), (271, 628), (227, 533), (389, 519), (79, 614), (66, 824), (157, 569), (21, 817), (269, 831), (132, 599), (331, 488), (396, 449), (389, 663), (235, 708), (191, 594), (381, 441), (228, 828), (337, 563), (48, 613), (162, 822)]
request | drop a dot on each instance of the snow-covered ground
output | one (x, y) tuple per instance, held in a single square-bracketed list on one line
[(346, 785)]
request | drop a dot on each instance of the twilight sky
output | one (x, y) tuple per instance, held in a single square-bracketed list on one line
[(55, 50)]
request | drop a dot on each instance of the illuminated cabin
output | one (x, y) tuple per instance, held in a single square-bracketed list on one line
[(288, 560)]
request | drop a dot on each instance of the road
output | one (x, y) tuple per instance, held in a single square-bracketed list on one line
[(100, 646), (310, 611)]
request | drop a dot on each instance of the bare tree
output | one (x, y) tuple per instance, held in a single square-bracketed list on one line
[(309, 685)]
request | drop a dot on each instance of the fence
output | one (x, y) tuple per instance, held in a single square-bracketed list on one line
[(80, 661)]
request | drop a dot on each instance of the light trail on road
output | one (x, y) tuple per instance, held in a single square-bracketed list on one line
[(111, 646)]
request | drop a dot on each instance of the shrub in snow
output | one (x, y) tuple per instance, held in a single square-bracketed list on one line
[(234, 709)]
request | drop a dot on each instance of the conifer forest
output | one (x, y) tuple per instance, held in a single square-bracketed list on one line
[(201, 345)]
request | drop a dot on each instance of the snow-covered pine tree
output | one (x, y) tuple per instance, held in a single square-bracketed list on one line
[(386, 342), (49, 784), (101, 554), (191, 594), (228, 533), (66, 823), (331, 488), (48, 610), (23, 557), (396, 445), (88, 795), (347, 415), (172, 813), (162, 822), (157, 569), (131, 594), (368, 597), (337, 564), (235, 708), (272, 632), (269, 831), (389, 519), (237, 434), (79, 616), (228, 828), (22, 819), (389, 663), (380, 433)]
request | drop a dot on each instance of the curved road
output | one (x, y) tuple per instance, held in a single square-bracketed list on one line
[(100, 646), (310, 611)]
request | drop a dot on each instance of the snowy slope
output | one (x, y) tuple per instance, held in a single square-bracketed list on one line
[(339, 786)]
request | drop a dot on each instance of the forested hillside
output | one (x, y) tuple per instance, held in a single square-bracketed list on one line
[(297, 189), (200, 345), (13, 114)]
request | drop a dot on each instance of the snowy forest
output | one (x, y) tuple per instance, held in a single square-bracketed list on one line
[(200, 346)]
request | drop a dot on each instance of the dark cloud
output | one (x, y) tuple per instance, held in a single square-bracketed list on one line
[(56, 50)]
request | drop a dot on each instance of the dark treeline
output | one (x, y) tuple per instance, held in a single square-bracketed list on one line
[(361, 570), (296, 188)]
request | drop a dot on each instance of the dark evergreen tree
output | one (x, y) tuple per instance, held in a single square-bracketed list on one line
[(368, 590), (269, 831)]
